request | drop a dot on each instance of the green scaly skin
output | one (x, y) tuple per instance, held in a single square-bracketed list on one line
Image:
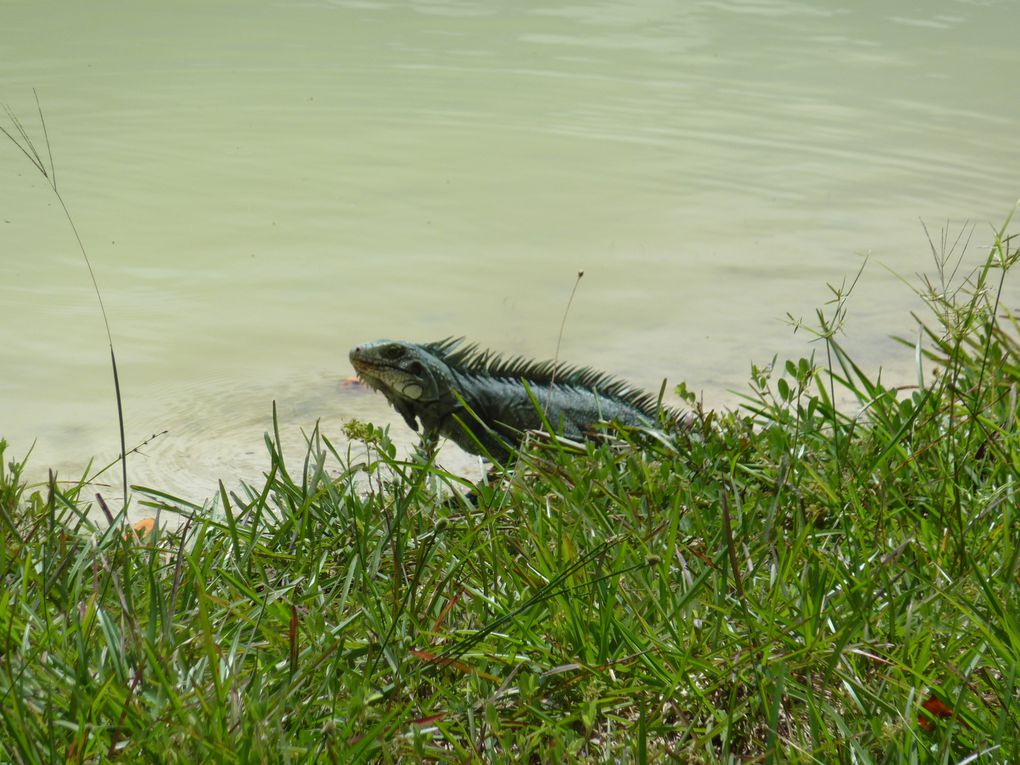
[(430, 384)]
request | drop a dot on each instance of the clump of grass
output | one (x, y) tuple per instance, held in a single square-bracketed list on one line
[(796, 580)]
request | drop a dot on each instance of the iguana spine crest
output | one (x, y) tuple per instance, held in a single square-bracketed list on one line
[(480, 362)]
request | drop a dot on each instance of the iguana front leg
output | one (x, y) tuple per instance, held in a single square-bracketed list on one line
[(427, 445)]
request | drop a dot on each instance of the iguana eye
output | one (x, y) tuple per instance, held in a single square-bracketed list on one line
[(392, 352)]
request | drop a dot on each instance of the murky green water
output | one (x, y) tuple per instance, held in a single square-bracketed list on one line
[(262, 185)]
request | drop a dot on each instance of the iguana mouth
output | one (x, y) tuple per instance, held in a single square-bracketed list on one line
[(386, 377), (374, 376)]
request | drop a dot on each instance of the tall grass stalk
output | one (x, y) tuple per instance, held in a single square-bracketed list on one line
[(27, 146)]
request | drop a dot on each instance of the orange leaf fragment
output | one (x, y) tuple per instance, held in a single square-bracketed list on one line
[(460, 666), (934, 710), (141, 531), (445, 612)]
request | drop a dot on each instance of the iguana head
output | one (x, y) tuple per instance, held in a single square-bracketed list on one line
[(409, 376)]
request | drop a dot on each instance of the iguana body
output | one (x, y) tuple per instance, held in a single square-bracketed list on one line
[(431, 383)]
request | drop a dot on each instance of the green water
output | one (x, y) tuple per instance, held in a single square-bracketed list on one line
[(262, 185)]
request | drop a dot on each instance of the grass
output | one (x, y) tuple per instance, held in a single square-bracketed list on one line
[(22, 139), (829, 573)]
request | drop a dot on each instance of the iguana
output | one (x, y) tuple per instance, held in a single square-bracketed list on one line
[(430, 384)]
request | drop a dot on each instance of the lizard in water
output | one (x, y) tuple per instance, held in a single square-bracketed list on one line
[(434, 385)]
